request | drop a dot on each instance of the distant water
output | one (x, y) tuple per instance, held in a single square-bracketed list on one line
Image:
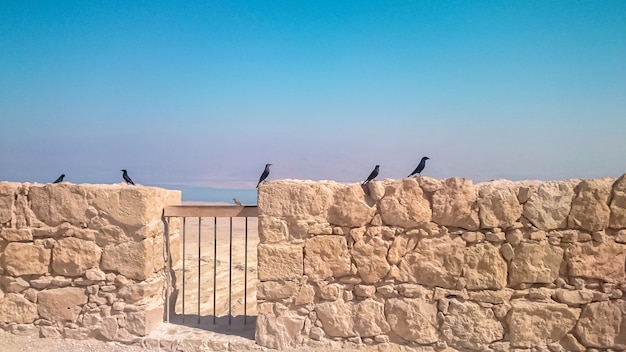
[(209, 194)]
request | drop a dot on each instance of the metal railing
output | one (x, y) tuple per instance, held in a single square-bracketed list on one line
[(205, 217)]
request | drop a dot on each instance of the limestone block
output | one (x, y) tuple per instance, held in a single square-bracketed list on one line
[(55, 204), (336, 318), (111, 234), (370, 257), (535, 263), (537, 323), (331, 292), (296, 199), (350, 207), (454, 204), (414, 291), (401, 245), (405, 205), (26, 259), (369, 318), (144, 321), (590, 208), (489, 296), (377, 189), (108, 328), (548, 208), (436, 261), (278, 332), (279, 262), (16, 235), (142, 291), (272, 229), (13, 284), (272, 290), (413, 319), (61, 304), (72, 256), (95, 274), (498, 205), (573, 297), (326, 256), (602, 324), (14, 308), (365, 291), (571, 344), (484, 268), (467, 325), (617, 219), (597, 261), (7, 199), (306, 295), (135, 260)]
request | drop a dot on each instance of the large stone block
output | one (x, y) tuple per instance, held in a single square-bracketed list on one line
[(413, 319), (454, 204), (617, 219), (145, 320), (61, 304), (590, 208), (72, 256), (435, 261), (326, 256), (272, 229), (14, 308), (405, 204), (537, 323), (16, 235), (548, 208), (535, 263), (350, 207), (603, 324), (7, 199), (26, 259), (369, 318), (296, 199), (278, 333), (370, 258), (498, 205), (337, 318), (468, 326), (135, 260), (140, 292), (591, 260), (485, 269), (280, 262), (55, 204)]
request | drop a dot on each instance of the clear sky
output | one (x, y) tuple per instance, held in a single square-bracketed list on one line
[(207, 92)]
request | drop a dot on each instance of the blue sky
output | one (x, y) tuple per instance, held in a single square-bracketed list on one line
[(207, 92)]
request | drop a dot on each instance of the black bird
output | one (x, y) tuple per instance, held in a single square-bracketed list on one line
[(236, 201), (264, 175), (60, 179), (419, 167), (126, 178), (372, 175)]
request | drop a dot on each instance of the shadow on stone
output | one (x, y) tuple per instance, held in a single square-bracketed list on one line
[(221, 326)]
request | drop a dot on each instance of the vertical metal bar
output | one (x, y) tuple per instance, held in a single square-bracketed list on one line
[(168, 265), (214, 266), (230, 272), (199, 264), (245, 275), (184, 259)]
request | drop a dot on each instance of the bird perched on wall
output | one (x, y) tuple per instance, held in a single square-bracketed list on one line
[(60, 179), (236, 201), (264, 175), (372, 175), (420, 167), (127, 178)]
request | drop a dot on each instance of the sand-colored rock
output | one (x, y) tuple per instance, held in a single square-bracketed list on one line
[(278, 332), (400, 246), (548, 208), (326, 256), (413, 319), (602, 324), (7, 199), (573, 297), (337, 318), (61, 304), (350, 207), (369, 318), (296, 199), (16, 235), (454, 204), (537, 323), (273, 290), (590, 208), (370, 257), (597, 261), (470, 326), (144, 321), (135, 260), (14, 308), (535, 263), (498, 205), (137, 292), (111, 234), (272, 229), (280, 262), (405, 204), (72, 256), (25, 259), (484, 268), (617, 218)]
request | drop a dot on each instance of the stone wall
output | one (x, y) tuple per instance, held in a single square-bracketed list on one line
[(82, 261), (443, 265)]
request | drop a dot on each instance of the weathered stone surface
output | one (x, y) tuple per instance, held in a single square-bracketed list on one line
[(498, 205), (7, 198), (296, 199), (435, 261), (364, 290), (14, 308), (272, 229), (61, 304), (337, 318), (574, 297), (111, 234), (279, 262), (272, 290), (135, 260), (16, 235), (369, 318), (537, 323), (405, 204), (144, 321), (535, 263), (617, 219), (326, 256), (331, 292), (370, 257), (278, 332), (350, 207), (140, 291), (108, 328), (95, 274), (489, 296), (25, 259), (57, 203), (469, 326), (548, 208), (484, 268), (598, 261), (401, 244), (590, 208), (454, 204), (602, 324), (413, 319), (571, 344), (72, 256)]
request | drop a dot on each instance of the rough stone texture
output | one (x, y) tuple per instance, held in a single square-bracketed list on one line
[(590, 208), (336, 318), (617, 218), (413, 319), (17, 309), (131, 259), (469, 326), (597, 261), (484, 268), (548, 208), (326, 256), (72, 256), (369, 318), (454, 204), (278, 332), (25, 259), (537, 323), (535, 263), (602, 324), (7, 199), (498, 205), (282, 262), (350, 207), (405, 205), (370, 257), (61, 303)]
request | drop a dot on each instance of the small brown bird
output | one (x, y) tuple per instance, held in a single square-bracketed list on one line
[(236, 201)]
